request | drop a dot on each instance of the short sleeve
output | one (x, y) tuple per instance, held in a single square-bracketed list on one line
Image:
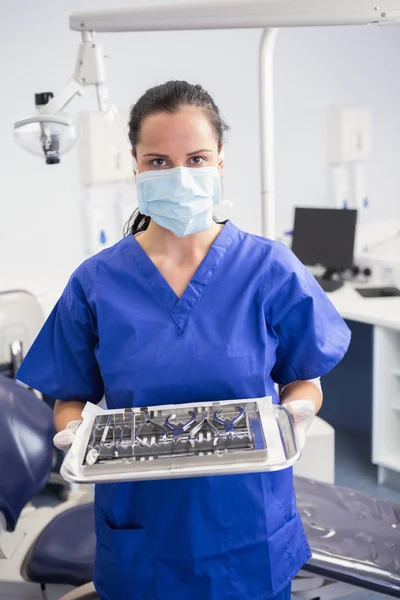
[(312, 336), (61, 362)]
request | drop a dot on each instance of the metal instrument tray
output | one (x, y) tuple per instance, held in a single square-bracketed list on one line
[(185, 440)]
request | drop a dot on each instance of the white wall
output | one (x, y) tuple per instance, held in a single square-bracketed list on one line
[(40, 226), (321, 67)]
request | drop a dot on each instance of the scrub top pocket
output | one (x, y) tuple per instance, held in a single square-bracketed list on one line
[(124, 564)]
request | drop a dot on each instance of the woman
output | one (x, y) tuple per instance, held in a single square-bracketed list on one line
[(185, 309)]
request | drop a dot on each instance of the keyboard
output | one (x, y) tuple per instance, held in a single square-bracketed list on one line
[(379, 292)]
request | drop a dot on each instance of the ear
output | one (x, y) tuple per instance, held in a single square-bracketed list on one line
[(134, 163), (221, 160)]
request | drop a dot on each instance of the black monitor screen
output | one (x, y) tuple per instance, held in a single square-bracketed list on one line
[(325, 236)]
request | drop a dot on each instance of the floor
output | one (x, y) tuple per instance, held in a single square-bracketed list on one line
[(354, 468)]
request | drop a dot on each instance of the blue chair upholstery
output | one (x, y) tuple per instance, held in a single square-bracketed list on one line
[(354, 537), (64, 551), (26, 432)]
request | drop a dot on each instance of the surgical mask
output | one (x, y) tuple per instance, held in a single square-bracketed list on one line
[(180, 199)]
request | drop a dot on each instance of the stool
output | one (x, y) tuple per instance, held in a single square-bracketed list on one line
[(317, 461)]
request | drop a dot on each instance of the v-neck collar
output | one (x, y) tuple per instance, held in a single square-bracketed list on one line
[(180, 308)]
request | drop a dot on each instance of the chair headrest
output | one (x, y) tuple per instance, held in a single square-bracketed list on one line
[(26, 431)]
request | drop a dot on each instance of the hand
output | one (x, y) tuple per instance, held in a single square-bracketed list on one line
[(63, 439), (302, 412)]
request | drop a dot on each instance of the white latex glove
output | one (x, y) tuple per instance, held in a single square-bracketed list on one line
[(303, 412), (63, 439)]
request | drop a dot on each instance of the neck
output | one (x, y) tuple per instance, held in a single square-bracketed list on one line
[(157, 240)]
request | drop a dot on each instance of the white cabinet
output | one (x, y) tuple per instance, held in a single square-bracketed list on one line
[(386, 402), (104, 149)]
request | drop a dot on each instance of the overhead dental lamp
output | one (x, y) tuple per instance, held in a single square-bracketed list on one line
[(50, 133)]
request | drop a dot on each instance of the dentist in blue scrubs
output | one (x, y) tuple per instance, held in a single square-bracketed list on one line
[(186, 309)]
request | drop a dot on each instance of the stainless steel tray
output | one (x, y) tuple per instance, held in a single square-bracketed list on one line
[(183, 440)]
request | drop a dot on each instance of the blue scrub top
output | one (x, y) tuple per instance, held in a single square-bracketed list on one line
[(252, 315)]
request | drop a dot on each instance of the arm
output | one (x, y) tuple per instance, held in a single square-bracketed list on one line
[(303, 399), (299, 390), (67, 418), (66, 412), (61, 362)]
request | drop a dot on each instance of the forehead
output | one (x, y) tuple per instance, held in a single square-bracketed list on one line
[(189, 128)]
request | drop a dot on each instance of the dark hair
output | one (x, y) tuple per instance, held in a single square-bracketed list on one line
[(169, 98)]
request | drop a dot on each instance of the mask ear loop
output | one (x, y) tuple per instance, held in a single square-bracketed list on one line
[(222, 209), (221, 157)]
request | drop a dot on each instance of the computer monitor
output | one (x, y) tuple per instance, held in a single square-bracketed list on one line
[(325, 236)]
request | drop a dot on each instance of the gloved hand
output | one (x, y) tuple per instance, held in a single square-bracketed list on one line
[(63, 439), (303, 412)]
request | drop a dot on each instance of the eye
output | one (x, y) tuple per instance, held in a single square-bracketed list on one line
[(197, 161), (158, 162)]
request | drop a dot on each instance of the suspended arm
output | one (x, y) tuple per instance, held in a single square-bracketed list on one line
[(224, 14)]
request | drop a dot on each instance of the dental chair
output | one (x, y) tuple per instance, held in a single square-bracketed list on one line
[(44, 552), (48, 553), (355, 542), (21, 318)]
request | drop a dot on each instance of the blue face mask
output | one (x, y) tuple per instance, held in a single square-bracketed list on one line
[(180, 199)]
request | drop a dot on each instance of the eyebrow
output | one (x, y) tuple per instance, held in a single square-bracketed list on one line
[(188, 154)]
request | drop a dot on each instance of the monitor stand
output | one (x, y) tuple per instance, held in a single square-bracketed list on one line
[(327, 282)]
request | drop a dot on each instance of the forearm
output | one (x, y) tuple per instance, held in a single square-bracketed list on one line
[(65, 412), (302, 390)]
